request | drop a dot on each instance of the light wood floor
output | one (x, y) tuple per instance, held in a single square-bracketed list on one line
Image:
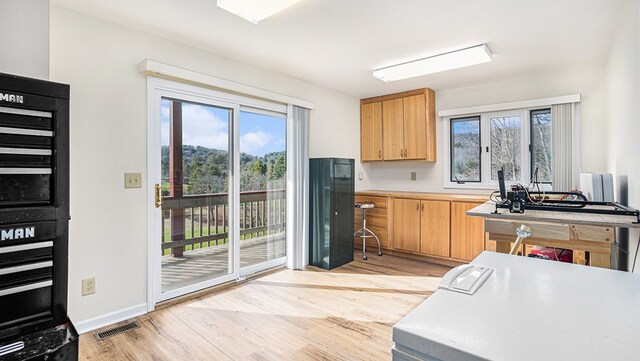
[(343, 314)]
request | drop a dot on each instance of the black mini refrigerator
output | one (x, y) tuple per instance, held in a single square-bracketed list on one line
[(34, 218), (331, 201)]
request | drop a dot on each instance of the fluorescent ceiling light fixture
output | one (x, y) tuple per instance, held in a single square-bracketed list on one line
[(452, 60), (255, 10)]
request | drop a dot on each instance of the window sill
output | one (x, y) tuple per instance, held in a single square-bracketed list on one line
[(477, 186), (488, 187)]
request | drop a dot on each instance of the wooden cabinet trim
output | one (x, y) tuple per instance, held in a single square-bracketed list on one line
[(430, 132), (395, 95), (472, 198)]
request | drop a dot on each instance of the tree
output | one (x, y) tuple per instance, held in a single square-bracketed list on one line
[(505, 147), (278, 169), (252, 181), (259, 167)]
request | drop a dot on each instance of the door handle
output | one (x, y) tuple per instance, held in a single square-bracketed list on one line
[(159, 196)]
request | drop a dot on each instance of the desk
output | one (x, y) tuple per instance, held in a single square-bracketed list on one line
[(581, 232), (528, 309)]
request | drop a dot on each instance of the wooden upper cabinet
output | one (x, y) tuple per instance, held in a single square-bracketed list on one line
[(393, 129), (408, 126), (406, 224), (467, 233), (415, 127), (435, 227), (371, 131)]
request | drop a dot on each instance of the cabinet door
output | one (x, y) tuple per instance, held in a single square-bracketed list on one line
[(406, 224), (434, 228), (415, 126), (467, 233), (392, 129), (371, 131)]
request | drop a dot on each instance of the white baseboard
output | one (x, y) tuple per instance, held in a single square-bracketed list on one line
[(110, 318)]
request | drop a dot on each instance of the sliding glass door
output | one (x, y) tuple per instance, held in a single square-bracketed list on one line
[(263, 171), (218, 170), (196, 163)]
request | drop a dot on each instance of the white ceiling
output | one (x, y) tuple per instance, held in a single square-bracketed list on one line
[(337, 43)]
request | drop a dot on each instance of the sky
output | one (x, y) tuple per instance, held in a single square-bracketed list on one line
[(208, 126)]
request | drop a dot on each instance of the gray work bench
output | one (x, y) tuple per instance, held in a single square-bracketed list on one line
[(527, 309)]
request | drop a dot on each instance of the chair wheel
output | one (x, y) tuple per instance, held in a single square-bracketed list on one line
[(379, 253), (364, 258)]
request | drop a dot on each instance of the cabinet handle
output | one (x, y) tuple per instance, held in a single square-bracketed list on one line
[(380, 154), (418, 206), (400, 153), (405, 152), (422, 207)]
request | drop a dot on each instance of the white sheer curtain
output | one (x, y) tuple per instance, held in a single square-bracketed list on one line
[(565, 140), (297, 187)]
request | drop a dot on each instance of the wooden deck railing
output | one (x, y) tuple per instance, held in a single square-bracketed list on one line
[(205, 218)]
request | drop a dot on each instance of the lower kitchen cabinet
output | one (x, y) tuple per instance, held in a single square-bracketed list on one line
[(435, 227), (426, 224), (467, 233), (421, 226), (406, 224)]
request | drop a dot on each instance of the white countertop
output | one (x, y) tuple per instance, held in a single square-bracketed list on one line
[(529, 309)]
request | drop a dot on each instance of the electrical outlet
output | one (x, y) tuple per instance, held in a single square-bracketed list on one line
[(413, 176), (133, 180), (88, 286)]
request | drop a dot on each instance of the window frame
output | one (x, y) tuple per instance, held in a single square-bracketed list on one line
[(486, 183)]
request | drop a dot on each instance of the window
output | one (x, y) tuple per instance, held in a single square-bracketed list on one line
[(541, 144), (518, 141), (465, 150), (505, 147)]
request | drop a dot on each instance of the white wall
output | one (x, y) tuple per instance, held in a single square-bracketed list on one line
[(622, 74), (108, 229), (24, 38), (587, 81)]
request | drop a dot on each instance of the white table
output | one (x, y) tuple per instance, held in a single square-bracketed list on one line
[(528, 309)]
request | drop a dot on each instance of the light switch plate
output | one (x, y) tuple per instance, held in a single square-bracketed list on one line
[(133, 180)]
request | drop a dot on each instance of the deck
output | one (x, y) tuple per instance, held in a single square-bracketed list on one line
[(206, 263)]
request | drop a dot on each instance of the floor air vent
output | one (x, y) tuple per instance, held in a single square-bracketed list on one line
[(117, 330)]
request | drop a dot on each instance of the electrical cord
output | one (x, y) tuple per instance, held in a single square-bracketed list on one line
[(493, 198), (620, 248)]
